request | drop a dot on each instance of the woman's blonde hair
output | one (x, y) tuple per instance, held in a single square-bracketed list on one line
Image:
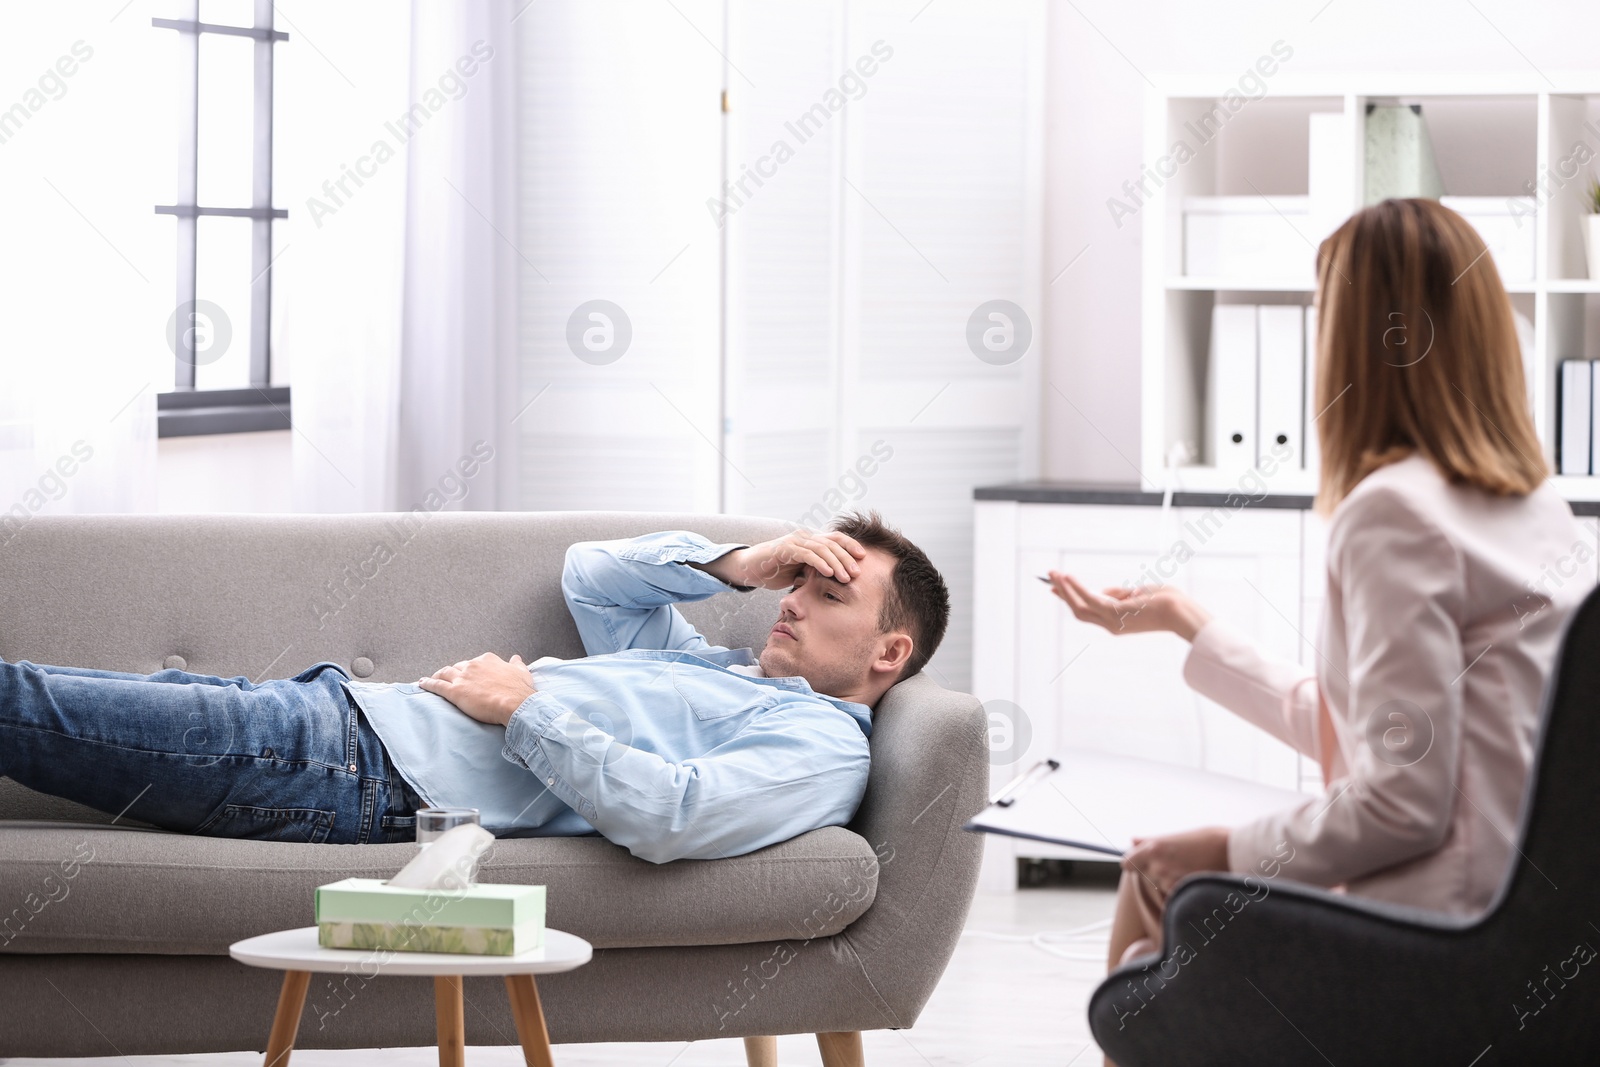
[(1417, 352)]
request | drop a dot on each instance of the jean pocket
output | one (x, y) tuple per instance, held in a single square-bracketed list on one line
[(303, 825), (398, 828)]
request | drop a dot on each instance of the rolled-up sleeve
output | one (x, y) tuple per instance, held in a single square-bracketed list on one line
[(1398, 585), (620, 593)]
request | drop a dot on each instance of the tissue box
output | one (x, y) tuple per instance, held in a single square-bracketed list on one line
[(472, 940), (485, 919)]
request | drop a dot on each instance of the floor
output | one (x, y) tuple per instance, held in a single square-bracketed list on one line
[(1003, 1001)]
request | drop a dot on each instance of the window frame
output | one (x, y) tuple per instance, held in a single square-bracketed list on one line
[(186, 410)]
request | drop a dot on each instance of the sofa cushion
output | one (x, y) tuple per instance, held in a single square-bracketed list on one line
[(19, 803), (87, 888)]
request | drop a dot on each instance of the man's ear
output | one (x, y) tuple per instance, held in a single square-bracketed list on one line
[(893, 655)]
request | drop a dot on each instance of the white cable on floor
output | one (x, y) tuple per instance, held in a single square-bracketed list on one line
[(1047, 940)]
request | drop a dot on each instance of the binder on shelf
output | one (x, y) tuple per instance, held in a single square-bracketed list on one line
[(1311, 454), (1594, 447), (1101, 802), (1231, 387), (1280, 348), (1576, 400)]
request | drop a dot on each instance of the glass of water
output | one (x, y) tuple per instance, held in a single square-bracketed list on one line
[(431, 822)]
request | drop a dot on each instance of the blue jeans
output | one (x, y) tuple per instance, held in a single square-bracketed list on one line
[(289, 759)]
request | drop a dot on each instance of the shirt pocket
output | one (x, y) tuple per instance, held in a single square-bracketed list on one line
[(710, 696)]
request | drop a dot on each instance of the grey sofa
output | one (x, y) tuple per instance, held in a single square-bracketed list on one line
[(838, 931), (1306, 976)]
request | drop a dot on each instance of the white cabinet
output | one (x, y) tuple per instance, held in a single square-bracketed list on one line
[(1076, 684), (1050, 681)]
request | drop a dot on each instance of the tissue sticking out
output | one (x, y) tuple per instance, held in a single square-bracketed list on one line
[(450, 862)]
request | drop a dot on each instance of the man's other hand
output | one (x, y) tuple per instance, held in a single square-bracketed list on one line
[(486, 688)]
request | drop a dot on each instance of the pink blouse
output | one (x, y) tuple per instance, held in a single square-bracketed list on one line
[(1445, 608)]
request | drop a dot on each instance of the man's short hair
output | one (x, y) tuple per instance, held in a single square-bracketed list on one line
[(917, 601)]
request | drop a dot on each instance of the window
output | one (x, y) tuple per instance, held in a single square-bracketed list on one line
[(221, 329)]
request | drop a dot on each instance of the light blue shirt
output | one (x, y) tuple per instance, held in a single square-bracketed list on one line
[(668, 745)]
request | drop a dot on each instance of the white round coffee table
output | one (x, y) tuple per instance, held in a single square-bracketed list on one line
[(297, 953)]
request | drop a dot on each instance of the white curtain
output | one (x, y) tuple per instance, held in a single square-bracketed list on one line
[(342, 80), (86, 266), (396, 164), (458, 374)]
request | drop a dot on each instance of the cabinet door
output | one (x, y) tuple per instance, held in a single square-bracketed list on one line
[(621, 142), (1086, 688), (1125, 693), (862, 238), (1245, 571), (783, 240), (1077, 684)]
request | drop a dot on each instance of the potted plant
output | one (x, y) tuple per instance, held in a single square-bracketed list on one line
[(1591, 231)]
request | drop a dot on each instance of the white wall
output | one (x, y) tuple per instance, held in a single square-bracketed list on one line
[(1100, 54), (1097, 50), (235, 472)]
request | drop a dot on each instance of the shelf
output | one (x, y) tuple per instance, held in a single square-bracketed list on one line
[(1489, 138), (1242, 285), (1577, 486), (1181, 283)]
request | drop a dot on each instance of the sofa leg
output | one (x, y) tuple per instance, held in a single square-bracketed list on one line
[(761, 1051), (841, 1049)]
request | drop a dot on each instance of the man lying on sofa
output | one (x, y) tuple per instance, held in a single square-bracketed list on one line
[(668, 745)]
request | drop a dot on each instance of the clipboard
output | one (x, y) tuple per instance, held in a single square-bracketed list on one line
[(1099, 801)]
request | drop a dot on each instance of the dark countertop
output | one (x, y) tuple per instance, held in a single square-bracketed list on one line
[(1044, 492), (1092, 493)]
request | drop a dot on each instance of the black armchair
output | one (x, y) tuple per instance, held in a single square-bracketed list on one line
[(1294, 974)]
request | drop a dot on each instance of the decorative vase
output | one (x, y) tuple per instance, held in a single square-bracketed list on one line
[(1399, 159), (1591, 233)]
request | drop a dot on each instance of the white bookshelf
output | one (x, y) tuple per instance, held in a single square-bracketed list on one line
[(1490, 137)]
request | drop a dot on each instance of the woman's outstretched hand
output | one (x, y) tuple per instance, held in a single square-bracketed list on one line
[(1146, 609)]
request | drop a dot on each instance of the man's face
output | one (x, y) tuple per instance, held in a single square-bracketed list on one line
[(827, 630)]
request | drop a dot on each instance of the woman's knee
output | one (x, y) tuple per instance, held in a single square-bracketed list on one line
[(1143, 947)]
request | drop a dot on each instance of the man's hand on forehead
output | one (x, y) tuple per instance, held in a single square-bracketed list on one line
[(776, 564)]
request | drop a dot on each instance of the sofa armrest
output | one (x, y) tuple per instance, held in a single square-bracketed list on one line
[(930, 774)]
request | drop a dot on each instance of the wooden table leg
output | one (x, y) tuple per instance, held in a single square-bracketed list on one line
[(286, 1022), (761, 1052), (525, 1009), (452, 1020)]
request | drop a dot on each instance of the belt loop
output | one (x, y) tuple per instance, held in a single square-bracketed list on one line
[(352, 743), (371, 812)]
